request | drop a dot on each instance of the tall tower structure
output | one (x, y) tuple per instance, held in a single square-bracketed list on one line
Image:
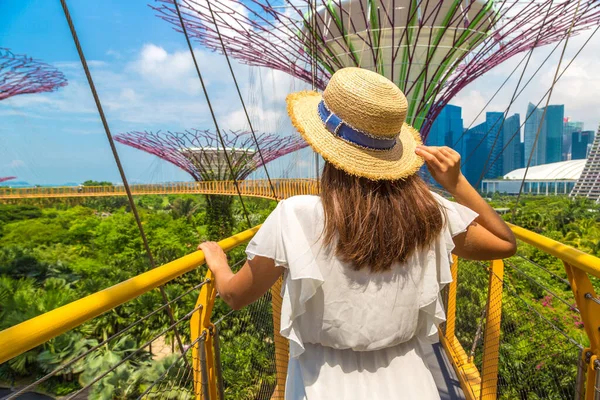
[(554, 133), (204, 157), (430, 48), (495, 140), (447, 128), (571, 129), (580, 144), (588, 184), (512, 157)]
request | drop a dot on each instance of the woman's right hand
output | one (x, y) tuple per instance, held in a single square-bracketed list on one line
[(443, 164)]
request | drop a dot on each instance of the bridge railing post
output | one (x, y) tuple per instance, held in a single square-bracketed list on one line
[(451, 302), (281, 343), (205, 382), (589, 307), (491, 336)]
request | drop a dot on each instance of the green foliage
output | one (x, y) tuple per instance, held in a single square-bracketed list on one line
[(537, 360), (53, 252), (96, 183)]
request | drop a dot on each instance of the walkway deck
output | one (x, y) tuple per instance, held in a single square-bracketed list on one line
[(443, 373)]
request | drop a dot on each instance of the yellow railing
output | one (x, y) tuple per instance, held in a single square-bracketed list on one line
[(31, 333), (483, 384), (476, 383)]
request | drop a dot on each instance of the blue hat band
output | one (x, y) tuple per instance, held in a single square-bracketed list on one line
[(339, 128)]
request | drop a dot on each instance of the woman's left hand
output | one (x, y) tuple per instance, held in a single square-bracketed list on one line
[(214, 255)]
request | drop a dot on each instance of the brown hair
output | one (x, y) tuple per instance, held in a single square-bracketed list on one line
[(376, 223)]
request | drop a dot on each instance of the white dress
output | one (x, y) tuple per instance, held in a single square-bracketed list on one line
[(355, 334)]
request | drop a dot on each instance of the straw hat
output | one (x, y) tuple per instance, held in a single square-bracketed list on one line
[(358, 125)]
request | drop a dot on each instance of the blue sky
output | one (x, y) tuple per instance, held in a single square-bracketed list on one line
[(144, 75), (145, 78)]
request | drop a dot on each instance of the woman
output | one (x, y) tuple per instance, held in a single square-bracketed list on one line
[(364, 262)]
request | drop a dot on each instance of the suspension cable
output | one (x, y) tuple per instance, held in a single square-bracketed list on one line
[(313, 67), (512, 99), (212, 113), (242, 100), (528, 56), (533, 280), (118, 162), (559, 77), (537, 135), (512, 291)]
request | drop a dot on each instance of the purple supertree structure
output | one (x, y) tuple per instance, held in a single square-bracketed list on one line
[(200, 153), (20, 74), (430, 48), (7, 178)]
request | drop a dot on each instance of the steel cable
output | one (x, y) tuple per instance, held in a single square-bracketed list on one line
[(212, 113), (117, 158), (237, 87), (537, 135)]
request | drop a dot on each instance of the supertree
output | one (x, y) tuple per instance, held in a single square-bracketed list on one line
[(7, 178), (430, 48), (20, 74), (201, 154)]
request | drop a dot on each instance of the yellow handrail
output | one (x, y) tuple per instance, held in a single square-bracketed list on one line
[(576, 258), (33, 332)]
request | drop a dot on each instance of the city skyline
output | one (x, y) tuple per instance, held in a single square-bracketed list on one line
[(498, 145)]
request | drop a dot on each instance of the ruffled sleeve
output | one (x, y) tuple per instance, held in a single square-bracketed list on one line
[(437, 272), (286, 239)]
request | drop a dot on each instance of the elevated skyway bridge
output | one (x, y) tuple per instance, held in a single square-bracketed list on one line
[(489, 321), (254, 188)]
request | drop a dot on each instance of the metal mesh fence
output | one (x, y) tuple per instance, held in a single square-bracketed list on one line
[(138, 358), (540, 331), (247, 350), (538, 351), (471, 300)]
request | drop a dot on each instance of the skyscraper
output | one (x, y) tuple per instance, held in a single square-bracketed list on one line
[(569, 128), (495, 140), (548, 148), (554, 133), (475, 153), (447, 129), (533, 121), (512, 157), (580, 142)]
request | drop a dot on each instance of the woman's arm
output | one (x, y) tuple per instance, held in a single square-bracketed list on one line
[(488, 237), (248, 284)]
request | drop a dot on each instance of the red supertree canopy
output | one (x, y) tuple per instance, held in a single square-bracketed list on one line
[(7, 178), (430, 48), (200, 152), (20, 74)]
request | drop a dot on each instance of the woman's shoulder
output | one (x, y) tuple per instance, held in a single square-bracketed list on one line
[(300, 202)]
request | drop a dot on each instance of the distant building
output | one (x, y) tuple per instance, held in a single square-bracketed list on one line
[(447, 129), (495, 140), (547, 179), (588, 184), (512, 156), (475, 153), (569, 129), (554, 133), (550, 140), (580, 144), (533, 121)]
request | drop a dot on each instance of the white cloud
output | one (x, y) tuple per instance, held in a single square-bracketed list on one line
[(224, 12), (258, 116), (16, 164)]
